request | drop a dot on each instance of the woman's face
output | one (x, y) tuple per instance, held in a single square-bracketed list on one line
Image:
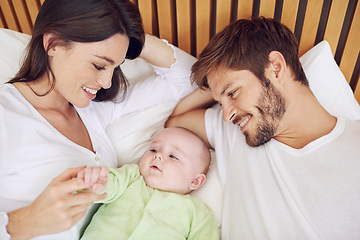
[(84, 68)]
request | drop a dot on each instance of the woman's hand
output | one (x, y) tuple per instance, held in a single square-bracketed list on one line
[(56, 209)]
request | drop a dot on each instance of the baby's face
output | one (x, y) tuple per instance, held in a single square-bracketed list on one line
[(173, 161)]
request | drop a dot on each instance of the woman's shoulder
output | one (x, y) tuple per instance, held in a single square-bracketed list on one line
[(9, 95), (6, 87)]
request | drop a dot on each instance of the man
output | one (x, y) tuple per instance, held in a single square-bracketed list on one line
[(289, 169)]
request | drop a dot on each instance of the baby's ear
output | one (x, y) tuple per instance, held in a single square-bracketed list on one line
[(197, 182)]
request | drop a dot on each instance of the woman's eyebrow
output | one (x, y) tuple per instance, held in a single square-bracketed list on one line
[(106, 59)]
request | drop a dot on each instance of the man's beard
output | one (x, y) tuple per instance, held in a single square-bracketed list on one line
[(271, 106)]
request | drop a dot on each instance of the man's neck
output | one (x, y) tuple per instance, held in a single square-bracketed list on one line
[(305, 120)]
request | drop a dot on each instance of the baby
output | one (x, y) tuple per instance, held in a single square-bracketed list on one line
[(150, 200)]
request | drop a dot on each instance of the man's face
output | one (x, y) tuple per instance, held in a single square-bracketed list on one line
[(257, 109)]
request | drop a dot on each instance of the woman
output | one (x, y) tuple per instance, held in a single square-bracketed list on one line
[(54, 112)]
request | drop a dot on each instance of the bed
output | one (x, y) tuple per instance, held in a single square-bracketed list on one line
[(328, 32)]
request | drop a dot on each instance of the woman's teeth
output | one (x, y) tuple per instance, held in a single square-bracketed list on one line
[(92, 91)]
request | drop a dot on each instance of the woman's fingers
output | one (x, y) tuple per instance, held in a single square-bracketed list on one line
[(68, 174), (84, 197), (59, 207)]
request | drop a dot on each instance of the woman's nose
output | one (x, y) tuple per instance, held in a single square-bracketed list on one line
[(228, 112), (105, 80)]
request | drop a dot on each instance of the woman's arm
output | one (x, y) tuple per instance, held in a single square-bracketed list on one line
[(157, 52), (55, 210)]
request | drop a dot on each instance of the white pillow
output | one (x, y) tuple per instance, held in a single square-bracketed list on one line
[(12, 45), (328, 83)]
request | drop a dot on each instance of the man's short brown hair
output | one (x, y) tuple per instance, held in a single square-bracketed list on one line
[(245, 45)]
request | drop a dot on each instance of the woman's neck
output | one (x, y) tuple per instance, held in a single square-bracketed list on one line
[(42, 97)]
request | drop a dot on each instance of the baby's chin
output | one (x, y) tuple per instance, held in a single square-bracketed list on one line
[(156, 186), (152, 184)]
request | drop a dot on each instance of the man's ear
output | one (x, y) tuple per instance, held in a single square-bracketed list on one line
[(197, 182), (277, 66), (48, 39)]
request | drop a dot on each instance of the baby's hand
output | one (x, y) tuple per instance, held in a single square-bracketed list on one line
[(94, 178)]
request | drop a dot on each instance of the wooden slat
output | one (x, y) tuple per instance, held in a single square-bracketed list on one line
[(2, 19), (233, 11), (300, 17), (345, 29), (166, 22), (357, 90), (267, 8), (336, 18), (278, 9), (351, 50), (223, 14), (356, 74), (23, 16), (33, 8), (289, 13), (145, 8), (183, 25), (244, 9), (256, 8), (312, 17), (325, 11), (202, 24), (212, 19), (9, 15)]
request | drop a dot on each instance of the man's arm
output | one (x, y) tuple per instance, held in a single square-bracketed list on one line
[(190, 113)]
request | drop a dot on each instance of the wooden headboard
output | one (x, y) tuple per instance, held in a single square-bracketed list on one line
[(189, 24)]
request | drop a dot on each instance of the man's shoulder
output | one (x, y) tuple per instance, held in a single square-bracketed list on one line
[(214, 116), (349, 124), (219, 130)]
